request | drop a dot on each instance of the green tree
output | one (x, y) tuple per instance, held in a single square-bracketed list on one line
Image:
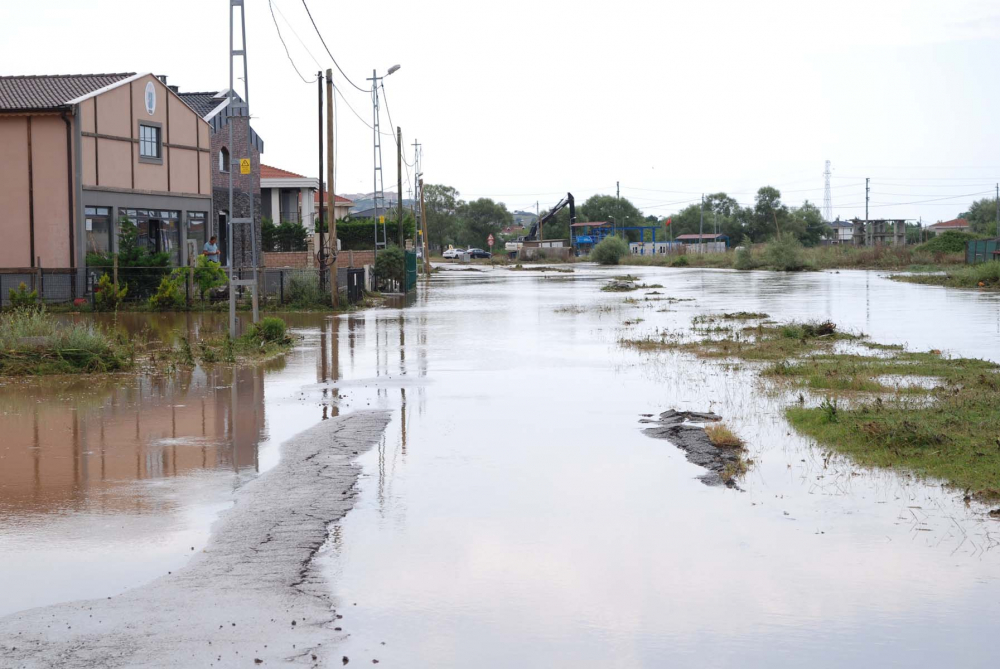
[(768, 214), (982, 217), (807, 224), (481, 218), (609, 207), (441, 204)]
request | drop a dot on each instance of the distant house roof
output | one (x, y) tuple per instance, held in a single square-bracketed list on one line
[(326, 198), (840, 224), (268, 172), (696, 237), (954, 224), (593, 224), (52, 91)]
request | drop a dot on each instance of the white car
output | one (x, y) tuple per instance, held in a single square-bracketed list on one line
[(452, 254)]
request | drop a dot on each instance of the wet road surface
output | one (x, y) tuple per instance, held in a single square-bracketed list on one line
[(514, 514)]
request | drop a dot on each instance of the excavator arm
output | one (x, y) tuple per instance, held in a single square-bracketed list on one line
[(563, 203)]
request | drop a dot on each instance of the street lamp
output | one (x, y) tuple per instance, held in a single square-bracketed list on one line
[(392, 69)]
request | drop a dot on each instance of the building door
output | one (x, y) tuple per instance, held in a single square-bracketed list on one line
[(223, 236), (155, 239)]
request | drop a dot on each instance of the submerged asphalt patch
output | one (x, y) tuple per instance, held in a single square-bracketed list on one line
[(686, 430), (252, 594)]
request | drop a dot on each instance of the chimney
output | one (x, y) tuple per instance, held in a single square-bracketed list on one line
[(175, 89), (162, 78)]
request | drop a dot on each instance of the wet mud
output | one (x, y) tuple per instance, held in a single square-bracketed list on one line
[(686, 431), (251, 597)]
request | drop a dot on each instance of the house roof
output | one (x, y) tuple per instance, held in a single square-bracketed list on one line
[(53, 91), (840, 224), (697, 236), (950, 225), (326, 198), (268, 172), (593, 224), (203, 103)]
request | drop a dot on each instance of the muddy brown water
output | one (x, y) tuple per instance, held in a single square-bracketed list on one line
[(515, 514)]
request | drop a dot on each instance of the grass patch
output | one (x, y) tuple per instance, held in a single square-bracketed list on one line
[(530, 268), (722, 436), (983, 275), (33, 342), (952, 433)]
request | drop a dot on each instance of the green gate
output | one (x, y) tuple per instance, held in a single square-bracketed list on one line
[(982, 250), (411, 270)]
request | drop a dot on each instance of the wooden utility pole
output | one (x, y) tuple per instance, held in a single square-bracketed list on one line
[(332, 205), (423, 228), (399, 184), (319, 228)]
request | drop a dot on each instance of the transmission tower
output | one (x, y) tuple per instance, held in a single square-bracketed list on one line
[(827, 196)]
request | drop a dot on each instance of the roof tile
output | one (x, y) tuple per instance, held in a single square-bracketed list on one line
[(51, 91)]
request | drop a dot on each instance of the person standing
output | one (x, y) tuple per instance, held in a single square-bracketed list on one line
[(211, 250)]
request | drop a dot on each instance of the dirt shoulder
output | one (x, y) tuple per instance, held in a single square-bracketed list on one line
[(252, 594)]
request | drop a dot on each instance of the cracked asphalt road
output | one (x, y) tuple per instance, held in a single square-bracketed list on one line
[(251, 595)]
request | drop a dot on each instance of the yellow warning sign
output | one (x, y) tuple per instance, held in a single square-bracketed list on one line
[(381, 219), (244, 166)]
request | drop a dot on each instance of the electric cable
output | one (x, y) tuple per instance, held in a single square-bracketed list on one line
[(295, 67), (316, 28)]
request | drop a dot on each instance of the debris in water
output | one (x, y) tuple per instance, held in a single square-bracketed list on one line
[(686, 430)]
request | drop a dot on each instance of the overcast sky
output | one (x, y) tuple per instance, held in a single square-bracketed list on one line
[(524, 100)]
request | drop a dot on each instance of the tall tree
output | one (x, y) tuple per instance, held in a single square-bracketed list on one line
[(441, 203), (611, 208), (481, 218), (982, 216)]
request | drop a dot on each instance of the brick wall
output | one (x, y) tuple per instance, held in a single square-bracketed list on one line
[(305, 259), (242, 185)]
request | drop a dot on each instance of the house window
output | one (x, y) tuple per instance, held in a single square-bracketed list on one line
[(98, 228), (223, 160), (149, 141)]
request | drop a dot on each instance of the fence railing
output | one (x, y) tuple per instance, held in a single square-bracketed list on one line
[(281, 286), (982, 250)]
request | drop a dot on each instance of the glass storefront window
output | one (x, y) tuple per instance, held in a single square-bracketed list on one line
[(196, 227), (159, 231), (98, 229)]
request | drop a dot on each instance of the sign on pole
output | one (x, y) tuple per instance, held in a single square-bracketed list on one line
[(244, 166), (489, 240)]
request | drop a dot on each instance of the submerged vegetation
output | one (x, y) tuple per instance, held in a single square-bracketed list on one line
[(984, 275), (33, 342), (881, 405)]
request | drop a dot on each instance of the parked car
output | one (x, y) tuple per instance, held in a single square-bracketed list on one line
[(451, 254), (479, 253)]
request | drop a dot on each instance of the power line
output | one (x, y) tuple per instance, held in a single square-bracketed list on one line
[(296, 33), (316, 28), (295, 67)]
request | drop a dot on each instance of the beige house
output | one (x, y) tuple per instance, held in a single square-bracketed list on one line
[(81, 152)]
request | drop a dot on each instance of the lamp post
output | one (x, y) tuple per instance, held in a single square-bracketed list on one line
[(377, 153)]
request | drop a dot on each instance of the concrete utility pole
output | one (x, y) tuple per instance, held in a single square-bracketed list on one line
[(322, 244), (334, 287), (423, 228), (701, 223), (867, 190), (998, 211), (399, 182)]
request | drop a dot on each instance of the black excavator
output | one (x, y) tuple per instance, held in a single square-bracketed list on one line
[(563, 203)]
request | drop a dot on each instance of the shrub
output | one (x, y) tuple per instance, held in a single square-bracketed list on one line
[(141, 268), (271, 329), (680, 261), (784, 253), (22, 299), (106, 298), (391, 264), (744, 257), (303, 291), (65, 347), (208, 275), (168, 294), (951, 241), (609, 251)]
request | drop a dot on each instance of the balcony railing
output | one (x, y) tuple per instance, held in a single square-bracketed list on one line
[(290, 217)]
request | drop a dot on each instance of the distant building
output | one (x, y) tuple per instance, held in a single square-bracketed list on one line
[(843, 231), (957, 224), (878, 232)]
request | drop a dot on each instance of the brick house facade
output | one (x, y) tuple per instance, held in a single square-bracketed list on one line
[(214, 108)]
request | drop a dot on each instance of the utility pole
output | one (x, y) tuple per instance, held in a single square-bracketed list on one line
[(319, 223), (867, 226), (618, 206), (423, 228), (334, 287), (827, 196), (378, 193), (998, 211), (399, 182), (701, 223)]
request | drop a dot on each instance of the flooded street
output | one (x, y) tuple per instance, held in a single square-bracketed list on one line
[(514, 514)]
